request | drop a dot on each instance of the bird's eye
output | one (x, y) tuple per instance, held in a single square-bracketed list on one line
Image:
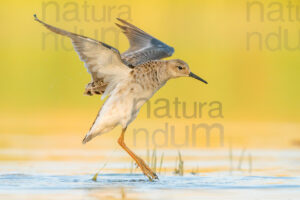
[(179, 67)]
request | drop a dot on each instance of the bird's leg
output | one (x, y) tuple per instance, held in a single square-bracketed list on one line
[(146, 170)]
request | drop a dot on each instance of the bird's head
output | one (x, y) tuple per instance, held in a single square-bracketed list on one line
[(178, 68)]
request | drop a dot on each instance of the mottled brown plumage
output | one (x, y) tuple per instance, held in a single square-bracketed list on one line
[(96, 87)]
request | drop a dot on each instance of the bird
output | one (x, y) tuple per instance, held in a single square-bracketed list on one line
[(128, 80)]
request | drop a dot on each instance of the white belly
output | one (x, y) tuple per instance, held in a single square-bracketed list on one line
[(125, 102)]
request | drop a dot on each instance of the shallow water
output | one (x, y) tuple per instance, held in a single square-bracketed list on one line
[(210, 185), (273, 175)]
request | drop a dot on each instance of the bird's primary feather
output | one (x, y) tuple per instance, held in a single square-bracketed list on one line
[(102, 61), (143, 47)]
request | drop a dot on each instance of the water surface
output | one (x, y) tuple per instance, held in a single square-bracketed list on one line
[(269, 175)]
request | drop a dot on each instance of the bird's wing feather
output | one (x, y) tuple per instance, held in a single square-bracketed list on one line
[(143, 47), (102, 61)]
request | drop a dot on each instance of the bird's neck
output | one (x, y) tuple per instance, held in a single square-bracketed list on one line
[(162, 72), (152, 74), (159, 71)]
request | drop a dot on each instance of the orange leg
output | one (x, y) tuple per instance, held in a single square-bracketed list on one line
[(144, 167)]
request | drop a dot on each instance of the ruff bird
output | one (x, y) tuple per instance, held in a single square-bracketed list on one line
[(128, 79)]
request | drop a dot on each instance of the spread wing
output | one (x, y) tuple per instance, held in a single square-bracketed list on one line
[(102, 61), (143, 47)]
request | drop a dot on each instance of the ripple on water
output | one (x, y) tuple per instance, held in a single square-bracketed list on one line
[(138, 181)]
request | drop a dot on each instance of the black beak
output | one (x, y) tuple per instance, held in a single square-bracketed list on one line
[(197, 77)]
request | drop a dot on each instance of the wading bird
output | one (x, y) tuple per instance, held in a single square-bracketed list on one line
[(128, 79)]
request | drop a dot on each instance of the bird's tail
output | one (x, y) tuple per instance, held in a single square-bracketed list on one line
[(91, 133), (99, 127), (88, 138)]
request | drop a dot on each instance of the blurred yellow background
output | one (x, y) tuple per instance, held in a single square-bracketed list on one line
[(241, 48)]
